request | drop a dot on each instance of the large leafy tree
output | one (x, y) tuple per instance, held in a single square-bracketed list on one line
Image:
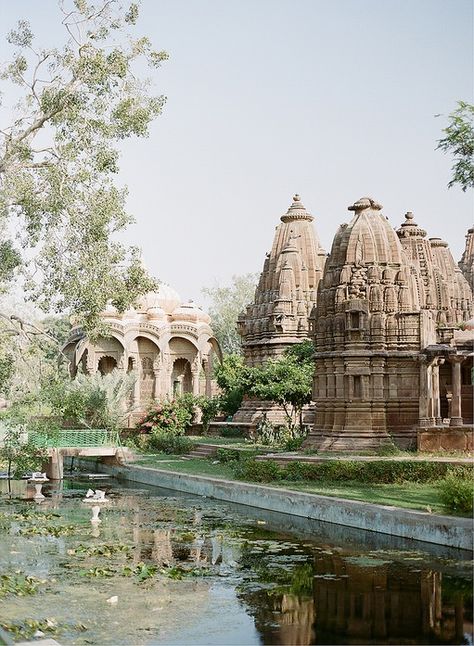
[(60, 208), (459, 142), (226, 303), (286, 381)]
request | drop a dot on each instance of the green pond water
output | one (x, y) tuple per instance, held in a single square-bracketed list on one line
[(169, 568)]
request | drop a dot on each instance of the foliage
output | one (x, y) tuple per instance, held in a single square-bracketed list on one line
[(142, 571), (369, 472), (210, 407), (286, 381), (232, 377), (258, 471), (459, 142), (166, 442), (18, 454), (231, 431), (228, 455), (457, 492), (95, 400), (19, 584), (169, 416), (58, 159), (226, 305)]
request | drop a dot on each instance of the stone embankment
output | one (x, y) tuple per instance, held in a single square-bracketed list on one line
[(417, 525)]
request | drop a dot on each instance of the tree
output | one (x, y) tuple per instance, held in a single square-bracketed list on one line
[(287, 381), (226, 305), (459, 142), (233, 378), (59, 206)]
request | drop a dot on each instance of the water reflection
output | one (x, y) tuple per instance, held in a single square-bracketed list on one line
[(314, 585)]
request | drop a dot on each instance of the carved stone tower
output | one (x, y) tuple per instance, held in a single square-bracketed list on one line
[(284, 298), (286, 292)]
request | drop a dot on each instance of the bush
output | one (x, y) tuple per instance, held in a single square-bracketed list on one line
[(164, 442), (227, 455), (231, 431), (261, 471), (210, 407), (171, 416), (457, 492)]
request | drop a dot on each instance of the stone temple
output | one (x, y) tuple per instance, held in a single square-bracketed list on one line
[(284, 298), (391, 360), (169, 345)]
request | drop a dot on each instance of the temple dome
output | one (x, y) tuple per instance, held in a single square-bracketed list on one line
[(368, 238), (190, 312), (164, 298)]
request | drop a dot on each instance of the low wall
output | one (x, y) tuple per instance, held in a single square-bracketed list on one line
[(442, 438), (420, 526)]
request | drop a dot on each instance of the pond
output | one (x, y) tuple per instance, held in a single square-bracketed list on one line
[(170, 568)]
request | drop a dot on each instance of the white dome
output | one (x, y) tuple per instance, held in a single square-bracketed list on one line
[(190, 312), (164, 298)]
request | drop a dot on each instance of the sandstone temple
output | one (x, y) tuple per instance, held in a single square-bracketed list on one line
[(169, 346), (389, 313)]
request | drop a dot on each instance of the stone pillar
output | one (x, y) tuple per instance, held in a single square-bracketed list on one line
[(435, 391), (456, 418), (195, 372), (207, 372), (424, 393), (55, 466)]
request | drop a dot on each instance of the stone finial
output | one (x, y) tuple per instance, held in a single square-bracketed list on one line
[(296, 211), (365, 203), (410, 227)]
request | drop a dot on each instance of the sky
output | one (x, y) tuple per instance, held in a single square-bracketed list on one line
[(332, 99)]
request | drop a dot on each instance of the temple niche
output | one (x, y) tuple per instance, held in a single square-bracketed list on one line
[(167, 344), (284, 298), (387, 317)]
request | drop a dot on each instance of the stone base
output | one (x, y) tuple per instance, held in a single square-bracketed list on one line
[(442, 438), (251, 411), (353, 440)]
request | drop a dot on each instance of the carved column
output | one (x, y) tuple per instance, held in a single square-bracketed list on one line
[(424, 393), (207, 372), (456, 417), (195, 372), (435, 391)]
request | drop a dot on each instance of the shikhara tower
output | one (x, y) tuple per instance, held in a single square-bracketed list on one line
[(284, 298)]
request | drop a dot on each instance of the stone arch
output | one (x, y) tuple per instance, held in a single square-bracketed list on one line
[(110, 347), (145, 354), (181, 377), (106, 364)]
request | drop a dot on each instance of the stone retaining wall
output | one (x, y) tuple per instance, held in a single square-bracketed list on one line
[(442, 530)]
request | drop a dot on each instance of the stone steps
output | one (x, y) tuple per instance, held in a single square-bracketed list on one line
[(201, 451)]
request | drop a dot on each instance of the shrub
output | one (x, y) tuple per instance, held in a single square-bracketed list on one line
[(165, 442), (210, 407), (261, 471), (231, 431), (457, 492), (227, 455), (171, 416)]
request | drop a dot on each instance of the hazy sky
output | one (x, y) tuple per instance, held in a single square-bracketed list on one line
[(332, 99)]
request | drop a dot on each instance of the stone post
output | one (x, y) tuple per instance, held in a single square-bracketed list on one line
[(424, 393), (456, 417), (207, 372), (435, 391)]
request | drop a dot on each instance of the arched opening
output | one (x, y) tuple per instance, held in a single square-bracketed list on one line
[(106, 365), (181, 378)]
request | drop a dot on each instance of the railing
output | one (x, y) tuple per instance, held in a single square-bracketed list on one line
[(72, 438)]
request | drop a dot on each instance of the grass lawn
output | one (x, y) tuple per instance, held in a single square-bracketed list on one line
[(196, 466), (424, 497)]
